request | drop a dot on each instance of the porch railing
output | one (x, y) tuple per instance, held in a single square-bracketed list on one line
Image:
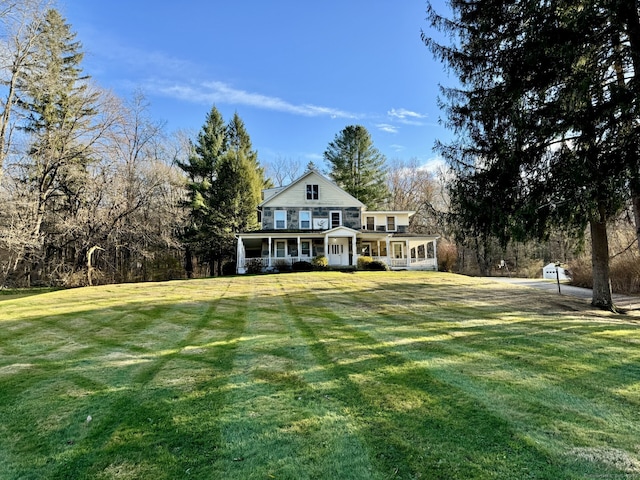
[(263, 262)]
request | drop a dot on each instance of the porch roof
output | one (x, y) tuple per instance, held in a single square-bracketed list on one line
[(271, 232), (396, 236), (361, 234)]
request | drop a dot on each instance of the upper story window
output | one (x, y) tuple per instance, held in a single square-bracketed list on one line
[(370, 223), (305, 219), (312, 192), (391, 224), (336, 219), (280, 218)]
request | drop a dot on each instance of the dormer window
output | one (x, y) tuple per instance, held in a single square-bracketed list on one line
[(312, 192)]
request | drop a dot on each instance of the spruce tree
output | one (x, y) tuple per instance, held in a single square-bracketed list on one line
[(225, 181), (239, 141), (357, 166), (539, 119), (59, 109), (203, 233)]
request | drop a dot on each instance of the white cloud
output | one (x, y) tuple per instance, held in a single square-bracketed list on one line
[(220, 92), (405, 116), (433, 165), (385, 127)]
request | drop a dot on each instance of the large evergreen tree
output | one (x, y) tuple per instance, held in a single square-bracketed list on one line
[(539, 119), (357, 166), (224, 182), (59, 110)]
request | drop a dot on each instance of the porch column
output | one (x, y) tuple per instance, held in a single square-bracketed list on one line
[(355, 253), (326, 246), (389, 255), (435, 254), (408, 252), (240, 261), (269, 252), (299, 251), (379, 253)]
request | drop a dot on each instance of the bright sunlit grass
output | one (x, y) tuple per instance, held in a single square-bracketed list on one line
[(323, 375)]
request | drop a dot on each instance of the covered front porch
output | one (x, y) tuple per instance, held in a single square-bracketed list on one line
[(273, 251), (261, 251), (401, 252)]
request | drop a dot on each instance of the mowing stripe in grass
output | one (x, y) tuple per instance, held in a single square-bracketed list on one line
[(319, 375), (378, 383), (537, 364), (132, 413), (279, 422), (479, 368)]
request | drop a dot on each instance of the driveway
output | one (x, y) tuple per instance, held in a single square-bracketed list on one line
[(627, 302)]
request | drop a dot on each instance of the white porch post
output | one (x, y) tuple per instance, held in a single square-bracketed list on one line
[(435, 254), (408, 253), (240, 257), (354, 257), (299, 251), (326, 246), (389, 255), (269, 252)]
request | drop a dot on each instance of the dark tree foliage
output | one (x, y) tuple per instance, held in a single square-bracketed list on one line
[(542, 120), (357, 166), (224, 185)]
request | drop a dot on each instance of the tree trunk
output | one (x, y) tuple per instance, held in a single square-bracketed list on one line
[(635, 199), (600, 264), (188, 262)]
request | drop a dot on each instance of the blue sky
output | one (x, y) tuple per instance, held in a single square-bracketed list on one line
[(297, 72)]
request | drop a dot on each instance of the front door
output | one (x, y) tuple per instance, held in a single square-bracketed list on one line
[(338, 251)]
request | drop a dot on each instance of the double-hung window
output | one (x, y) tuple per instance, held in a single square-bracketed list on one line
[(336, 219), (312, 192), (371, 223), (305, 247), (280, 218), (305, 219), (391, 224)]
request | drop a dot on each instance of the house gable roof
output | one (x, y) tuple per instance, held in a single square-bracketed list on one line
[(313, 176)]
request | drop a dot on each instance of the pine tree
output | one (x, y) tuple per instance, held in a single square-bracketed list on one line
[(225, 181), (59, 110), (357, 166), (239, 141), (539, 119), (203, 235)]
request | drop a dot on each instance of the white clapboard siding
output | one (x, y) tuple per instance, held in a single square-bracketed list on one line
[(295, 195)]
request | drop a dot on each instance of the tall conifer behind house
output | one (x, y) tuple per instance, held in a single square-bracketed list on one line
[(224, 184)]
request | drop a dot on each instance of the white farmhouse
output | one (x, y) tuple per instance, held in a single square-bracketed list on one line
[(314, 217)]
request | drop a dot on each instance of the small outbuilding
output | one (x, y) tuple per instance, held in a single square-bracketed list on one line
[(554, 272)]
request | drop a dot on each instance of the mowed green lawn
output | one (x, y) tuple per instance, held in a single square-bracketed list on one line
[(370, 375)]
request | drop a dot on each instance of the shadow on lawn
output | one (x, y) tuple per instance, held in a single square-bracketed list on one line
[(462, 432), (15, 293), (413, 371), (107, 397)]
